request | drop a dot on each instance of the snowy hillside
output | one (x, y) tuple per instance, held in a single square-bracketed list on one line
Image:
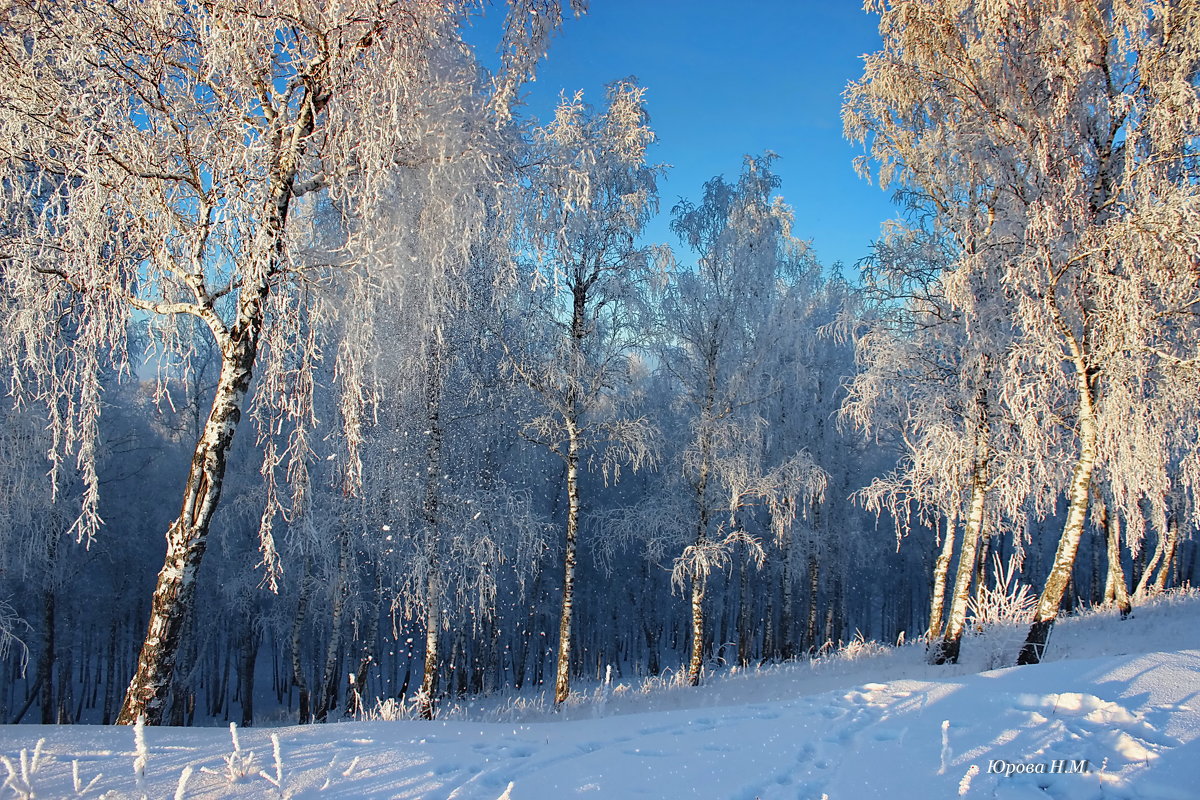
[(1115, 712)]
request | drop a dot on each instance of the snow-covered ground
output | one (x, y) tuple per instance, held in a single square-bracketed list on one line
[(1114, 713)]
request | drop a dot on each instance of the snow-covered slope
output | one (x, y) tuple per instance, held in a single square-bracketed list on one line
[(1116, 715)]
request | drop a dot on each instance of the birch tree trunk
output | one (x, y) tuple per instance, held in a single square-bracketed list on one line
[(187, 538), (1068, 543), (562, 672), (426, 696), (328, 698), (1168, 561), (948, 650), (1115, 588), (696, 659), (1160, 562), (433, 594), (941, 570), (704, 513)]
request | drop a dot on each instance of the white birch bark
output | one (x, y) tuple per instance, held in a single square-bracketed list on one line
[(1078, 494), (941, 569)]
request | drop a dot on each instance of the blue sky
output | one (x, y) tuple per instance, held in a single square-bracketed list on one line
[(729, 79)]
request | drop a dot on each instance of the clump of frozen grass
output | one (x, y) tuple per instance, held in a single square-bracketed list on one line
[(664, 681), (77, 783), (21, 774), (276, 780), (239, 764), (857, 649), (1008, 602), (520, 707), (605, 691), (861, 647), (1000, 615), (387, 709), (331, 770), (392, 709), (21, 781)]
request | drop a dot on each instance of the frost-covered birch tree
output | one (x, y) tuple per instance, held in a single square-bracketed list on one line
[(1079, 119), (590, 193), (808, 368), (718, 329), (446, 520), (155, 160), (933, 332)]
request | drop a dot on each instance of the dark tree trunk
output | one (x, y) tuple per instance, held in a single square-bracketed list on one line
[(745, 632), (981, 561), (330, 683), (787, 644), (652, 633), (47, 661), (110, 676), (298, 679), (247, 659)]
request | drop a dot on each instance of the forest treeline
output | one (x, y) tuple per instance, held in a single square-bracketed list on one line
[(422, 413)]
